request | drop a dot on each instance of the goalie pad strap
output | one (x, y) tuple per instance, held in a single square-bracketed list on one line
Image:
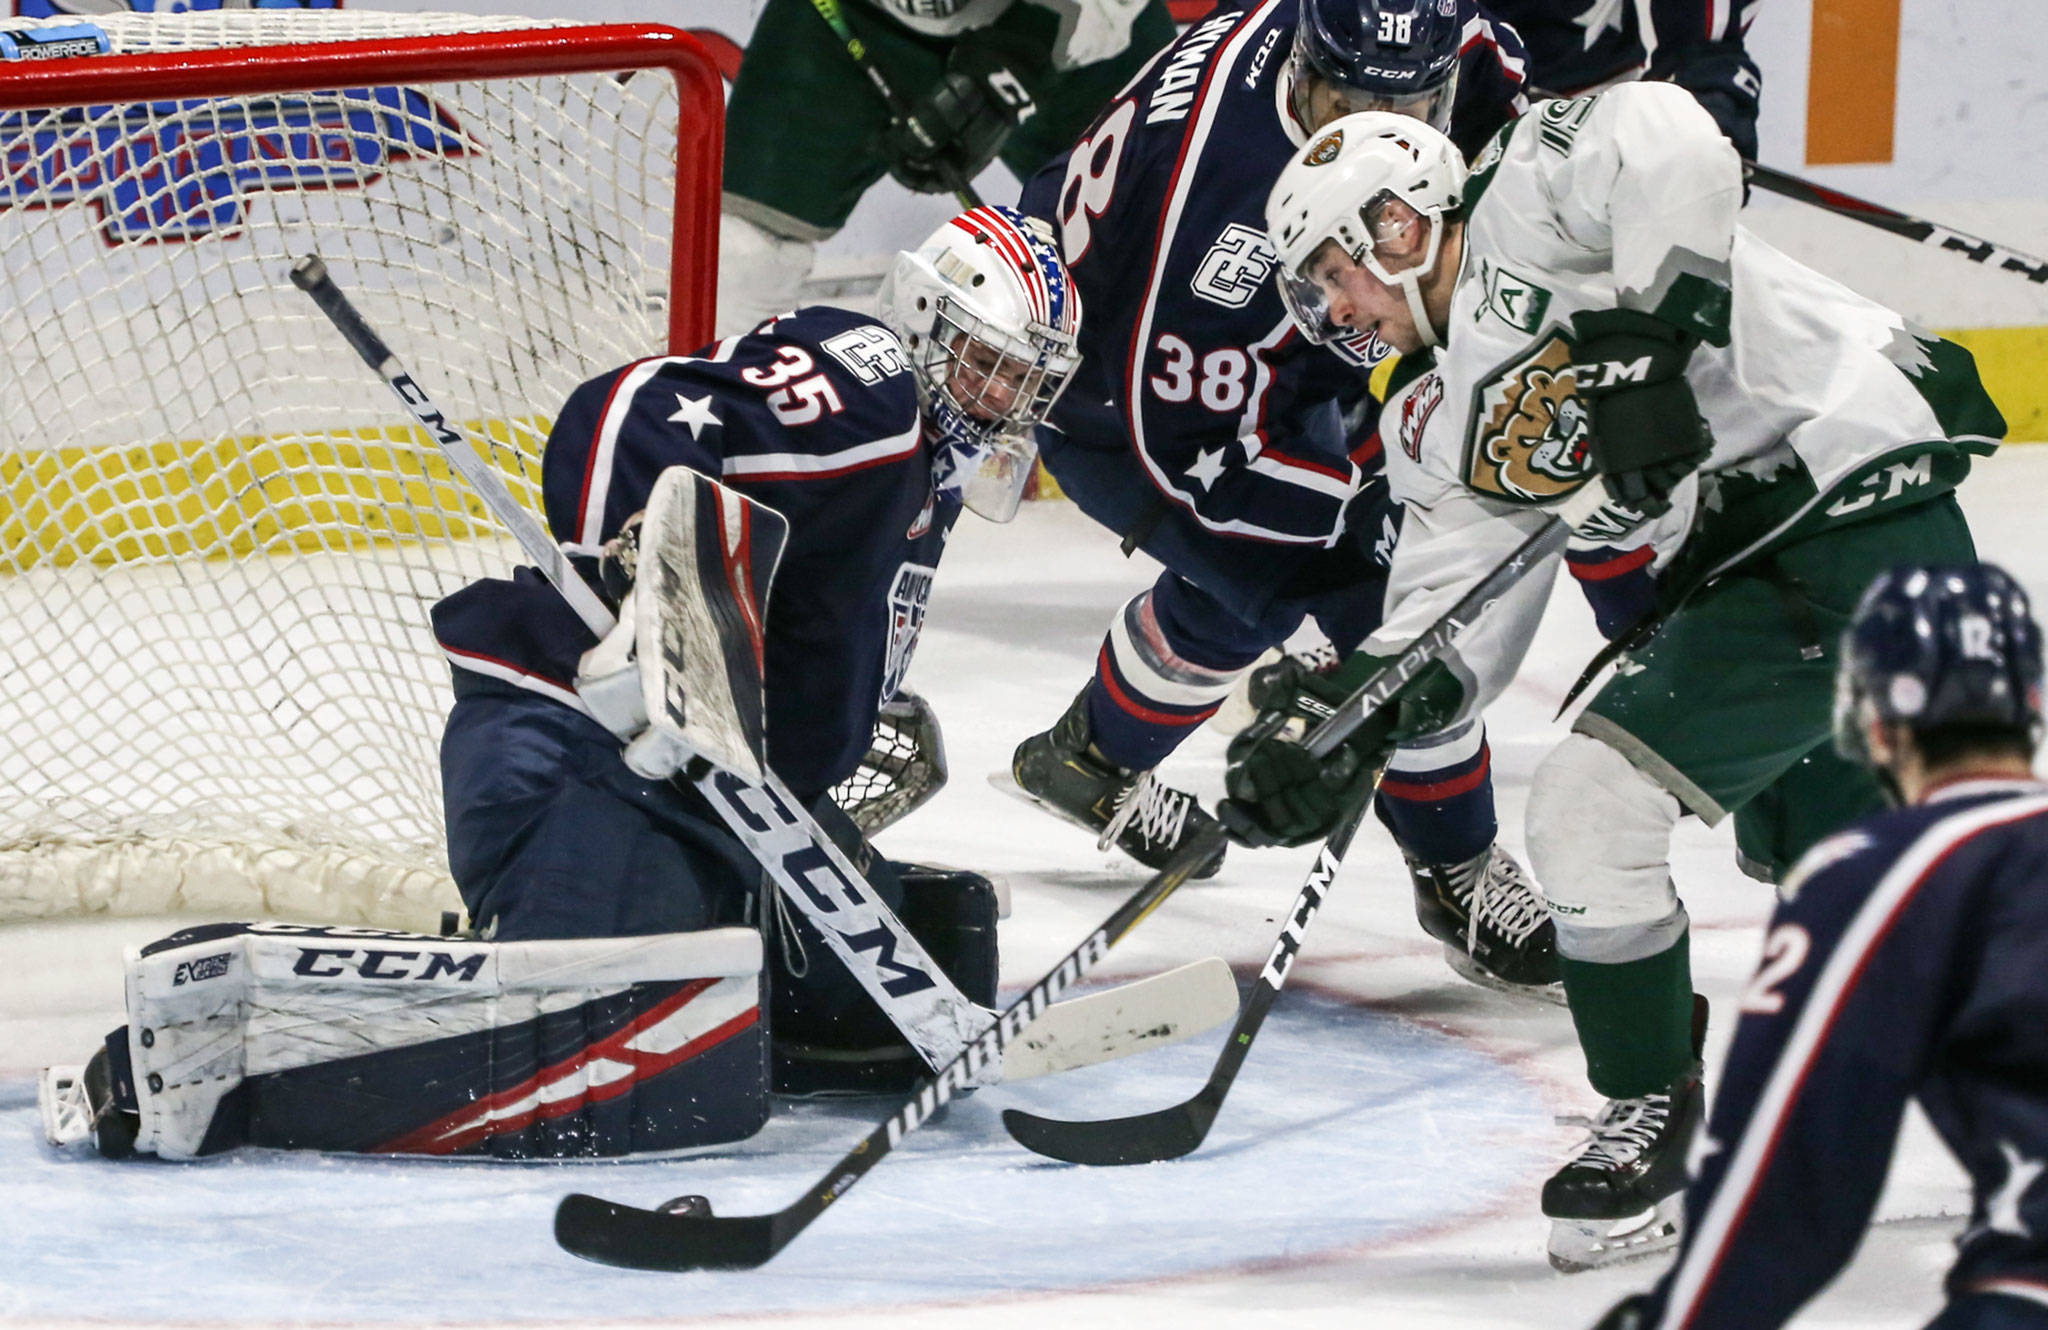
[(359, 1039)]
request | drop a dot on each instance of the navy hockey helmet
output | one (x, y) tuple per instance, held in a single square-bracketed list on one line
[(1377, 55), (1931, 647)]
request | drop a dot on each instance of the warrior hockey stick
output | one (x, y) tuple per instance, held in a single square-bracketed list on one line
[(600, 1230), (1169, 1133), (963, 190), (806, 865), (1986, 252)]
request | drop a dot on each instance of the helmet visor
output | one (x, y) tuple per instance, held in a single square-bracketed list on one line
[(1432, 106), (1309, 290)]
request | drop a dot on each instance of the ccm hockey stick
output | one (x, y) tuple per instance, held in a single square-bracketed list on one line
[(1169, 1133), (666, 1239), (806, 865), (963, 190), (1986, 252)]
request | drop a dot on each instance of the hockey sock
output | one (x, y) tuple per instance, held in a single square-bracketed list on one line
[(1634, 1019), (1438, 801), (1147, 697)]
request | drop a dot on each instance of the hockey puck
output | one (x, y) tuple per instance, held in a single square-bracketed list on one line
[(698, 1206)]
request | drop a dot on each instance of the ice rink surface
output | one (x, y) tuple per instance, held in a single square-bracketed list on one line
[(1377, 1165)]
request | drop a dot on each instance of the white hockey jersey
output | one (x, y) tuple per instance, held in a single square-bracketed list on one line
[(1823, 406)]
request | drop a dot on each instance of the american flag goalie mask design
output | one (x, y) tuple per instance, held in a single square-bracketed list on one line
[(988, 314)]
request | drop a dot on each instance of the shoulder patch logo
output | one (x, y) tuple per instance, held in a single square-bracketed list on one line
[(1529, 428), (1416, 409), (1234, 270), (1325, 150), (1519, 304)]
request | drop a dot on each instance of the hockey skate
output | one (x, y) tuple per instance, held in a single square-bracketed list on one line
[(78, 1104), (1060, 771), (1495, 928), (1622, 1197)]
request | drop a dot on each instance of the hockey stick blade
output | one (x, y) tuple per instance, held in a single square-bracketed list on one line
[(1142, 1138), (616, 1234), (635, 1239), (1170, 1133)]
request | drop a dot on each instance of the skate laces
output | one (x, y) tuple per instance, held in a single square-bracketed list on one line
[(1618, 1135), (1504, 898), (1159, 812)]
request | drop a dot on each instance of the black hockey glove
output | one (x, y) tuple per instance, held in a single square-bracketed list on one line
[(1644, 426), (957, 126), (1722, 77), (1279, 794), (618, 561)]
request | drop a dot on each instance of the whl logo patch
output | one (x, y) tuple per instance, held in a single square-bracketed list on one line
[(1529, 428), (181, 170)]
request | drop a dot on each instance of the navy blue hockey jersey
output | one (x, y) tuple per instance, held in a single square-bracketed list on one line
[(815, 415), (1909, 961), (1188, 356), (1577, 46)]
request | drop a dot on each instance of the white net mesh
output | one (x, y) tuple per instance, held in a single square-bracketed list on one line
[(218, 543)]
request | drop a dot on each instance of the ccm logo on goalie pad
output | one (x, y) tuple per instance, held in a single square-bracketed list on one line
[(375, 963)]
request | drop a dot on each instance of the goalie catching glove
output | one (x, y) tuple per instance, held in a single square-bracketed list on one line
[(1279, 792)]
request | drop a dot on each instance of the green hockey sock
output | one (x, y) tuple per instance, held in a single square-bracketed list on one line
[(1634, 1020)]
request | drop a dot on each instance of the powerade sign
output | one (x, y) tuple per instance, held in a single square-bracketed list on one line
[(180, 170)]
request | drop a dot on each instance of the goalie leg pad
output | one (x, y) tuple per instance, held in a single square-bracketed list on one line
[(549, 835), (358, 1039)]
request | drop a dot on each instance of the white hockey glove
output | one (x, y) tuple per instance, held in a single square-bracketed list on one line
[(1091, 30)]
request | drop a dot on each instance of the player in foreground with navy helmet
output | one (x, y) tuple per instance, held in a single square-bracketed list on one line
[(1907, 960)]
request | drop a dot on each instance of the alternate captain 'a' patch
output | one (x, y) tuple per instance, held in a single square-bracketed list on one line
[(1529, 428)]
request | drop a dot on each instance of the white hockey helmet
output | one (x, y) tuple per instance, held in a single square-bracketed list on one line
[(1341, 190), (989, 314)]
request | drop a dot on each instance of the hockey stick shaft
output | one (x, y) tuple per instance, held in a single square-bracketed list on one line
[(310, 275), (1974, 248), (605, 1231), (767, 818), (1171, 1132), (899, 110)]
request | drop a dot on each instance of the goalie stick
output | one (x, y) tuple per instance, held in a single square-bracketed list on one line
[(615, 1234), (1169, 1133), (806, 865)]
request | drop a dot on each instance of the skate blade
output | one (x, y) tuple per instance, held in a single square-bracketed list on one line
[(1577, 1245), (61, 1098), (1472, 972), (1006, 781)]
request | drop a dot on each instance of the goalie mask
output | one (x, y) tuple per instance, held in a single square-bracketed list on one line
[(989, 314), (1373, 188)]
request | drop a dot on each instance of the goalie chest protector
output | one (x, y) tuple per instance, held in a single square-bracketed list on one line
[(814, 414)]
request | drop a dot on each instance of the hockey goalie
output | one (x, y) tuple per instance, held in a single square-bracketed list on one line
[(637, 978)]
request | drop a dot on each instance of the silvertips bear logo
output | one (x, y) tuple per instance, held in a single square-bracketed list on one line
[(1325, 150), (1529, 428)]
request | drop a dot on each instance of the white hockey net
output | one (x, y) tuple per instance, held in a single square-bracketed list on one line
[(219, 544)]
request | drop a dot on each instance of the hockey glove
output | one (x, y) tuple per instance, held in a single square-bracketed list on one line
[(1644, 426), (1280, 794), (958, 126)]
